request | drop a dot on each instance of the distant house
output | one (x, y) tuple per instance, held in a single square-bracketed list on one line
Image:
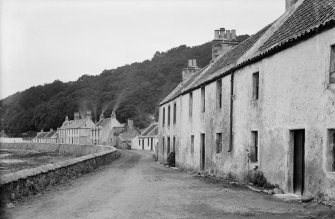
[(148, 139), (106, 129), (40, 137), (76, 131), (46, 137), (125, 138)]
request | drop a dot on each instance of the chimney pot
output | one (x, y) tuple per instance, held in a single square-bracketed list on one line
[(102, 116), (228, 35), (222, 32), (190, 63), (216, 34), (233, 34), (88, 114), (76, 116)]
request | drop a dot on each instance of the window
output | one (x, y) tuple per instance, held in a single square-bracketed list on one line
[(219, 94), (218, 143), (255, 85), (331, 143), (163, 116), (174, 144), (254, 147), (203, 103), (192, 144), (168, 145), (163, 145), (191, 105), (139, 142), (169, 116), (174, 113), (148, 142), (332, 65)]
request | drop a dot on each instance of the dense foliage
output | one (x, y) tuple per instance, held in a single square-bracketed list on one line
[(133, 90)]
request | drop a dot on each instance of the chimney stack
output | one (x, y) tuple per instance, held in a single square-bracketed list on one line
[(102, 116), (290, 3), (190, 69), (89, 114), (66, 118), (130, 124), (113, 115), (216, 34), (76, 116), (225, 42)]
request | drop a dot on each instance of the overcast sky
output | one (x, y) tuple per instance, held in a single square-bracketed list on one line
[(45, 40)]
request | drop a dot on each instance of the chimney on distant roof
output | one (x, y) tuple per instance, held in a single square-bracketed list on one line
[(190, 69), (66, 118), (102, 116), (76, 116), (89, 114), (290, 3), (130, 124), (224, 40), (113, 115)]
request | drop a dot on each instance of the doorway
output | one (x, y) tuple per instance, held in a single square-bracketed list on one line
[(299, 161), (202, 152)]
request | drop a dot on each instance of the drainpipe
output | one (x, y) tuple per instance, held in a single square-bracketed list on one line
[(231, 112)]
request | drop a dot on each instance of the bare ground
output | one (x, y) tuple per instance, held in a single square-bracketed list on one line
[(135, 186), (14, 160)]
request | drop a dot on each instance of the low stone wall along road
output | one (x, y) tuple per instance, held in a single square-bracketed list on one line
[(135, 186)]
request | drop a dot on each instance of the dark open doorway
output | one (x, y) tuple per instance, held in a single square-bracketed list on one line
[(202, 152), (299, 161)]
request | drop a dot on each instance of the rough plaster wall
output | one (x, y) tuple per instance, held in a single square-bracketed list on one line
[(292, 96)]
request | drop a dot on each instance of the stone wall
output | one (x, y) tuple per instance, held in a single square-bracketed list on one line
[(31, 181)]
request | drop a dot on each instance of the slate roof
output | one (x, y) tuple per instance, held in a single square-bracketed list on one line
[(103, 122), (42, 135), (305, 19), (152, 130), (72, 124), (50, 134)]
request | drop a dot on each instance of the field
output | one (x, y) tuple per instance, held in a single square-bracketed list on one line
[(15, 160)]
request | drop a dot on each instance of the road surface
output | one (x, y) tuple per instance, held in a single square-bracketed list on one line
[(135, 186)]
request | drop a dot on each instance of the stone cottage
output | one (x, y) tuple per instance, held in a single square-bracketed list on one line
[(266, 103)]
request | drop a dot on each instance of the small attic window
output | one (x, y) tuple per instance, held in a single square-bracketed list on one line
[(332, 65)]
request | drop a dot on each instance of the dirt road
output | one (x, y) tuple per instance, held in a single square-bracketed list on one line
[(135, 186)]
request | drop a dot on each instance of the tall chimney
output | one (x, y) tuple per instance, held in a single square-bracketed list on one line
[(190, 69), (130, 124), (113, 115), (290, 3), (226, 42), (76, 116), (216, 34), (89, 114), (66, 118), (102, 116), (233, 34)]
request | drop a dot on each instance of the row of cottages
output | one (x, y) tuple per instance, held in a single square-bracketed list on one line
[(76, 131), (266, 103), (148, 140), (46, 137)]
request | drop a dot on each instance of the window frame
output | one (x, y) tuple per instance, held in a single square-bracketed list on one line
[(192, 144), (219, 94), (203, 99), (190, 105), (218, 142), (255, 86), (254, 148), (169, 115), (174, 113)]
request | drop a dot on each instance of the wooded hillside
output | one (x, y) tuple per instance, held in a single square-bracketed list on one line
[(133, 90)]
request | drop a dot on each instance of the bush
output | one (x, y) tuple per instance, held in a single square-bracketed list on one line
[(257, 178), (171, 159)]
